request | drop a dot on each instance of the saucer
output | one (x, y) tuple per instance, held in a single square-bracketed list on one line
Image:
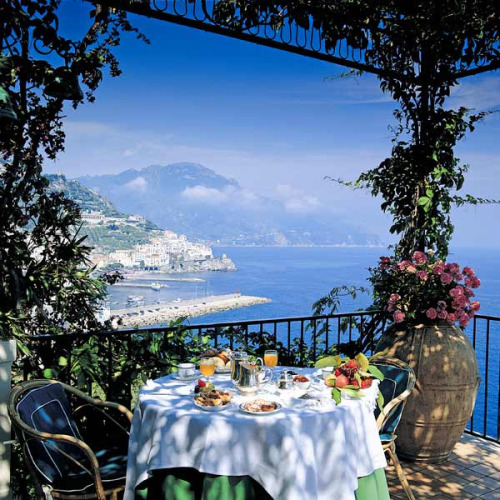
[(187, 379)]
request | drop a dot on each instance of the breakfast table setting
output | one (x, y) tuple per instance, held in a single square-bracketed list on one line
[(252, 430)]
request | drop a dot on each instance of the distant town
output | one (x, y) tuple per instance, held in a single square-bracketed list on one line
[(166, 251)]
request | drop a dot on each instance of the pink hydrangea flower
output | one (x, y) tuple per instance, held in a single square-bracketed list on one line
[(394, 297), (442, 304), (438, 269), (419, 257), (391, 306), (458, 290), (451, 318), (422, 275), (431, 313), (475, 306), (411, 269), (398, 316), (472, 281), (384, 262), (464, 319), (446, 278), (404, 264), (468, 271), (453, 268), (461, 301), (442, 314)]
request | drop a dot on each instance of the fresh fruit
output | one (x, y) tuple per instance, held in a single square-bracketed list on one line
[(337, 372), (341, 381), (207, 388), (367, 382), (330, 380), (201, 383), (353, 382)]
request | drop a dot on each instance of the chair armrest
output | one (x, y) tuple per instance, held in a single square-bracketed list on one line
[(83, 410), (98, 402), (391, 405), (31, 434)]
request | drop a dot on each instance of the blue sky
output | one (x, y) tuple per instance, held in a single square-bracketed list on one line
[(274, 121)]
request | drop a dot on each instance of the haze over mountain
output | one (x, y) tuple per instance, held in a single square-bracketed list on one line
[(191, 199)]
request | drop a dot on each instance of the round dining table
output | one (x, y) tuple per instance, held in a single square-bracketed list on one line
[(311, 449)]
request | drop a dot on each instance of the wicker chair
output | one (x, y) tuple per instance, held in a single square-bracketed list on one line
[(397, 385), (74, 446)]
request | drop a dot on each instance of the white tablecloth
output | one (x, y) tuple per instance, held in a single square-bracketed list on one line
[(295, 454)]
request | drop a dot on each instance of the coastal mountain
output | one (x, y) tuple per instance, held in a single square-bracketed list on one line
[(122, 234), (86, 198), (194, 200)]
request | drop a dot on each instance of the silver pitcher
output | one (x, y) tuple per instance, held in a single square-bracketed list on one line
[(236, 357), (252, 377)]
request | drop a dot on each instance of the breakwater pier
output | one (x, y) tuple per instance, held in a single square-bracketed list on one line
[(162, 312)]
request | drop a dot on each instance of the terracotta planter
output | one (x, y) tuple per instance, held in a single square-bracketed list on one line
[(442, 402)]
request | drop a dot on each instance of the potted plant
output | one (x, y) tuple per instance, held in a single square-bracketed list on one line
[(431, 302)]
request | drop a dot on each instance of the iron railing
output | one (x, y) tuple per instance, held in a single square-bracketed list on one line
[(301, 339), (484, 333)]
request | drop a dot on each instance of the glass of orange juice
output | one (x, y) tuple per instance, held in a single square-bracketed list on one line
[(271, 358), (207, 367)]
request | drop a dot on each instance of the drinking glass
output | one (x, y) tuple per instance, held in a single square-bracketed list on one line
[(207, 367), (271, 358)]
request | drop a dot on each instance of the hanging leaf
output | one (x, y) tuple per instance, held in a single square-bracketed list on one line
[(354, 393), (376, 372), (380, 400), (336, 395), (362, 361)]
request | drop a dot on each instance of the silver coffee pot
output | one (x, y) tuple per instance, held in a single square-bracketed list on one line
[(236, 358), (252, 376)]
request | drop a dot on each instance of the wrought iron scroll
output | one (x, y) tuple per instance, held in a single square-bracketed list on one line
[(289, 37)]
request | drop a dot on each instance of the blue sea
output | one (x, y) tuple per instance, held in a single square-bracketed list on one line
[(293, 278)]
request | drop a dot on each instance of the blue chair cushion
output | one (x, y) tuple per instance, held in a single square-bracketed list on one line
[(395, 382), (113, 467), (46, 409)]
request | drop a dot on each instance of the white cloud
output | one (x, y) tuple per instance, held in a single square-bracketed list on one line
[(205, 195), (212, 196), (138, 185), (479, 93), (295, 200)]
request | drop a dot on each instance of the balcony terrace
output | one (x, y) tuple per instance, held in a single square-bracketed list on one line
[(473, 470)]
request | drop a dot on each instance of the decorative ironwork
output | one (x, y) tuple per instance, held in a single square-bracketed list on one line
[(306, 41), (199, 14)]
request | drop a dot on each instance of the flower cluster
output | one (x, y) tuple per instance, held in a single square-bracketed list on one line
[(425, 288)]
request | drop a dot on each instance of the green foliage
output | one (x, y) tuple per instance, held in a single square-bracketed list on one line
[(46, 285), (419, 50), (369, 327)]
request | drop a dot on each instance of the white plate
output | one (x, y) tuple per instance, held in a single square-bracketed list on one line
[(259, 413), (187, 379), (213, 408), (221, 370)]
